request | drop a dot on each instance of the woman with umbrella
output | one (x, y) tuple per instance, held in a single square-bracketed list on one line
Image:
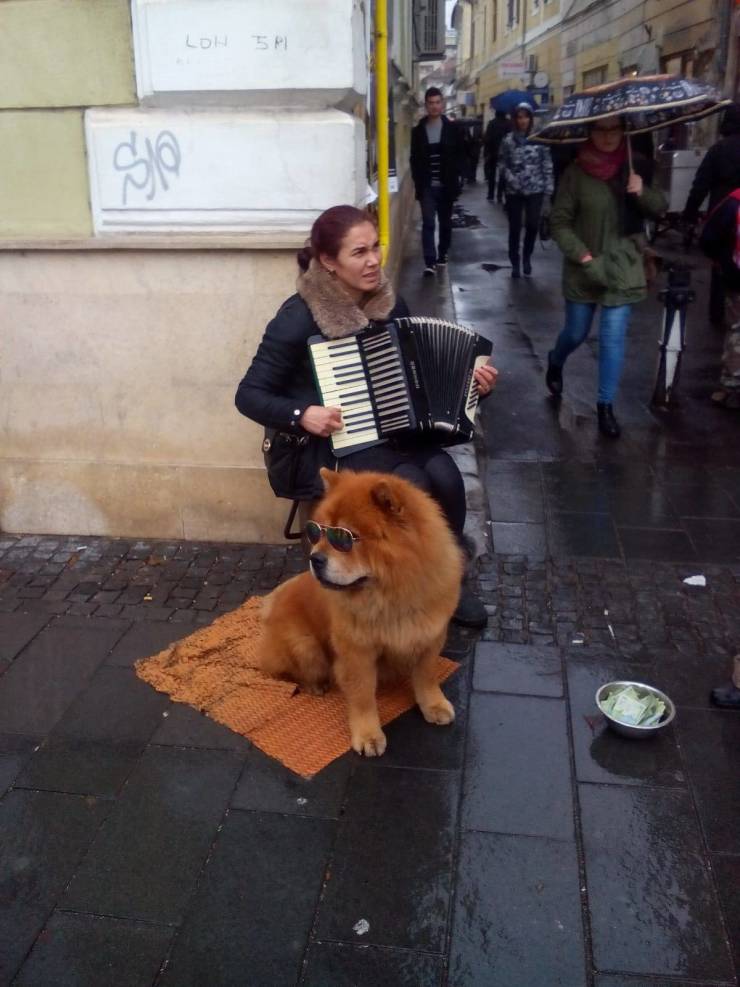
[(527, 171), (597, 221), (599, 213)]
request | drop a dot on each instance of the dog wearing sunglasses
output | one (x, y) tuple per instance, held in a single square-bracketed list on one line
[(384, 581)]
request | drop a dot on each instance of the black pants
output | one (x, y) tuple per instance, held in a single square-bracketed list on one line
[(716, 299), (527, 207), (436, 204), (491, 169), (429, 468)]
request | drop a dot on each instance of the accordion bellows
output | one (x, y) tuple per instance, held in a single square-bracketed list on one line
[(411, 375)]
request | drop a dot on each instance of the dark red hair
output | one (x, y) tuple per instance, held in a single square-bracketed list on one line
[(329, 230)]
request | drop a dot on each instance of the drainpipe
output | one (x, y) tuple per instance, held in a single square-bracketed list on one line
[(381, 123)]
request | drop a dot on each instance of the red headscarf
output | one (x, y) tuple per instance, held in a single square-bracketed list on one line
[(601, 164)]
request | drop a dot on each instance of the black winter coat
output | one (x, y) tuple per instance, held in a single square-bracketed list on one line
[(279, 384), (452, 158), (718, 240), (716, 177)]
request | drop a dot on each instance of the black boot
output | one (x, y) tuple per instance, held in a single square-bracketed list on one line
[(470, 611), (554, 377), (527, 267), (726, 696), (608, 424)]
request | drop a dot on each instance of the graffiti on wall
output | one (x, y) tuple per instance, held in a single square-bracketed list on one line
[(146, 165)]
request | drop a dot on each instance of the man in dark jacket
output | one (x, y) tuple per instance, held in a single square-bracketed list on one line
[(719, 241), (496, 130), (437, 164), (716, 177)]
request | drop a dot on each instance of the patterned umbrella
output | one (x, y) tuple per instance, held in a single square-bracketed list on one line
[(645, 103)]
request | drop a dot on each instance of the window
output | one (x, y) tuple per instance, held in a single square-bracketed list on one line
[(594, 77), (568, 91), (682, 63), (512, 13)]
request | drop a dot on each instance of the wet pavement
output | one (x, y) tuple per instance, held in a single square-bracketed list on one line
[(526, 845)]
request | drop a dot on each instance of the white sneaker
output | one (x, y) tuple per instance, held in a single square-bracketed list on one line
[(429, 271)]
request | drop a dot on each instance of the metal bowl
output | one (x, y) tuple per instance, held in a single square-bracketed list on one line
[(627, 729)]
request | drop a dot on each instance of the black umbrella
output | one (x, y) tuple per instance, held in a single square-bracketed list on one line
[(644, 102)]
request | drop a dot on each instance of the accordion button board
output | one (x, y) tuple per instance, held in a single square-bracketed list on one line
[(405, 376)]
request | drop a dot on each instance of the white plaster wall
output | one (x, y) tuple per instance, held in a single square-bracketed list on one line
[(214, 171), (278, 53), (118, 372)]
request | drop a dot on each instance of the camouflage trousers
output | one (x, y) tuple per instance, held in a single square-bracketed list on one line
[(730, 365)]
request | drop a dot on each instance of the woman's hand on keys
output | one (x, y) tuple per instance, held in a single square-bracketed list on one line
[(321, 421)]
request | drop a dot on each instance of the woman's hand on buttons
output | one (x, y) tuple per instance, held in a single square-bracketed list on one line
[(485, 378)]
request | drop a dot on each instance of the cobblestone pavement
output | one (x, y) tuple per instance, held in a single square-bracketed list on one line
[(144, 844)]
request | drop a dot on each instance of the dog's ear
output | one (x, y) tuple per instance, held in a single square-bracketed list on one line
[(329, 477), (387, 498)]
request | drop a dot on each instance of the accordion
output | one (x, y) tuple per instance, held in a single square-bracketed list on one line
[(410, 375)]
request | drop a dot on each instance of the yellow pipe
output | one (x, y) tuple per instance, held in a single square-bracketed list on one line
[(381, 124)]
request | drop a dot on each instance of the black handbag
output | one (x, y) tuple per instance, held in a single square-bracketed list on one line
[(293, 463)]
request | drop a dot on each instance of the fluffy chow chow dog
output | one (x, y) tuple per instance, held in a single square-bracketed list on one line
[(384, 582)]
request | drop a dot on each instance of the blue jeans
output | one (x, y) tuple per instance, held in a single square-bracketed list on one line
[(436, 203), (612, 332)]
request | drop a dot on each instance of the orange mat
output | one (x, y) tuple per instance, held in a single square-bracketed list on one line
[(214, 671)]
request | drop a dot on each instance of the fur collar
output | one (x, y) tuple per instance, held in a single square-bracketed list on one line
[(334, 311)]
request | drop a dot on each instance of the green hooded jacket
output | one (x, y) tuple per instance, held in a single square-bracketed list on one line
[(586, 219)]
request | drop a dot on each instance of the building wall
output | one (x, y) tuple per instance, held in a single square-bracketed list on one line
[(148, 234)]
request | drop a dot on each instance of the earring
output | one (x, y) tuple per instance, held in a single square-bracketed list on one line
[(332, 274)]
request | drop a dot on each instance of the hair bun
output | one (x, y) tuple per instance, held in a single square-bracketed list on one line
[(304, 256)]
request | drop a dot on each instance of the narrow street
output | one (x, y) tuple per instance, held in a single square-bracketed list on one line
[(526, 846)]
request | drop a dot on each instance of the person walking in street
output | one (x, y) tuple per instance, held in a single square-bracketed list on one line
[(719, 241), (527, 170), (437, 167), (496, 130), (717, 176), (598, 222), (341, 286)]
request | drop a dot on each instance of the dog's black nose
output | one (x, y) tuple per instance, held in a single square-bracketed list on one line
[(318, 561)]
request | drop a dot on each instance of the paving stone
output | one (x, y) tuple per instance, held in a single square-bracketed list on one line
[(661, 545), (252, 915), (16, 630), (515, 538), (115, 707), (142, 640), (626, 981), (727, 877), (660, 916), (10, 766), (406, 901), (591, 535), (266, 786), (517, 668), (184, 726), (602, 755), (91, 950), (515, 495), (79, 767), (370, 966), (145, 861), (44, 837), (517, 778), (710, 742), (518, 914), (414, 743), (45, 679)]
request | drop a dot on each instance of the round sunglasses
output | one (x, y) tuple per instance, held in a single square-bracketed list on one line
[(342, 539)]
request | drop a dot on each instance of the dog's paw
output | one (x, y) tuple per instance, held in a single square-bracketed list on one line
[(441, 712), (315, 688), (370, 744)]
